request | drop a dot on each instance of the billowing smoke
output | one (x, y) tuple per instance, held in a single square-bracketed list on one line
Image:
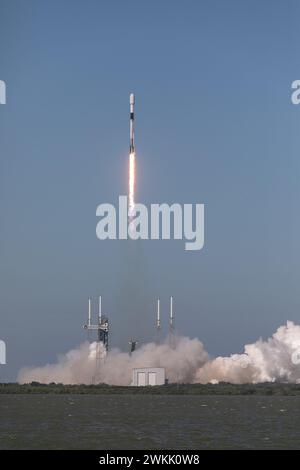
[(274, 360), (277, 359), (81, 365)]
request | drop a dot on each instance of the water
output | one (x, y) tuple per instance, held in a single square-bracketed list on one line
[(148, 422)]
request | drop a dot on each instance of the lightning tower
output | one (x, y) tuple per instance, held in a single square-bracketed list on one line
[(101, 327), (158, 323), (171, 325)]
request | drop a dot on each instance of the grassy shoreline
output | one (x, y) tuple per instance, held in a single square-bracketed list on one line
[(170, 389)]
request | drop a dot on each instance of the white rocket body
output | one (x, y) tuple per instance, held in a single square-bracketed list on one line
[(131, 123)]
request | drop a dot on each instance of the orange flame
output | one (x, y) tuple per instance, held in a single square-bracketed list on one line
[(131, 183)]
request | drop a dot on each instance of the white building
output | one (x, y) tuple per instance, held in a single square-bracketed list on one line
[(148, 376)]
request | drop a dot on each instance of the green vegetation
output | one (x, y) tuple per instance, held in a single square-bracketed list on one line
[(170, 389)]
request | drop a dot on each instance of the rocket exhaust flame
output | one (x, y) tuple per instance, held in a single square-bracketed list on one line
[(131, 184)]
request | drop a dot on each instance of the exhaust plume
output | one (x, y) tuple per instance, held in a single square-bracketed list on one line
[(81, 365), (274, 360)]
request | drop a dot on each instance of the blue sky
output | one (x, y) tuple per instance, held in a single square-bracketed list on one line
[(214, 125)]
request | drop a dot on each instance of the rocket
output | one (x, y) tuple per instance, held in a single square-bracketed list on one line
[(131, 123)]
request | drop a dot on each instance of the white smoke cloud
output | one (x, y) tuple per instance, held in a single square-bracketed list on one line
[(81, 365), (274, 360), (277, 359)]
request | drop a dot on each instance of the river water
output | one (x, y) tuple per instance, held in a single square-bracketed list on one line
[(149, 422)]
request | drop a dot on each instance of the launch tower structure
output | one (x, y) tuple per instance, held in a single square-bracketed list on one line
[(158, 322), (132, 346), (101, 327), (172, 325)]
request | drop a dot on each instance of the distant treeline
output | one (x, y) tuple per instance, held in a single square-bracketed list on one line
[(170, 389)]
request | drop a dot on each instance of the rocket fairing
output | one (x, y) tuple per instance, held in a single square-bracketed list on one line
[(131, 123)]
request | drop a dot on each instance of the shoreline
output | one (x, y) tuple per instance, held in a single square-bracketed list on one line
[(263, 389)]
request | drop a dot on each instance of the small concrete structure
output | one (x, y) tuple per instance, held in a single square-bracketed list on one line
[(144, 376)]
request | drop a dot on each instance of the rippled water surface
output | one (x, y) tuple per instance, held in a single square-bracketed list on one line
[(148, 422)]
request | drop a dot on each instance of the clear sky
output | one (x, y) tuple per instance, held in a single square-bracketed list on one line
[(214, 125)]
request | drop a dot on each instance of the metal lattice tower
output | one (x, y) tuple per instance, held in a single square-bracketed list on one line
[(101, 327), (102, 330)]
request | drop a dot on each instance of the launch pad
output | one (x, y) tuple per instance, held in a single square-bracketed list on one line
[(102, 326)]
